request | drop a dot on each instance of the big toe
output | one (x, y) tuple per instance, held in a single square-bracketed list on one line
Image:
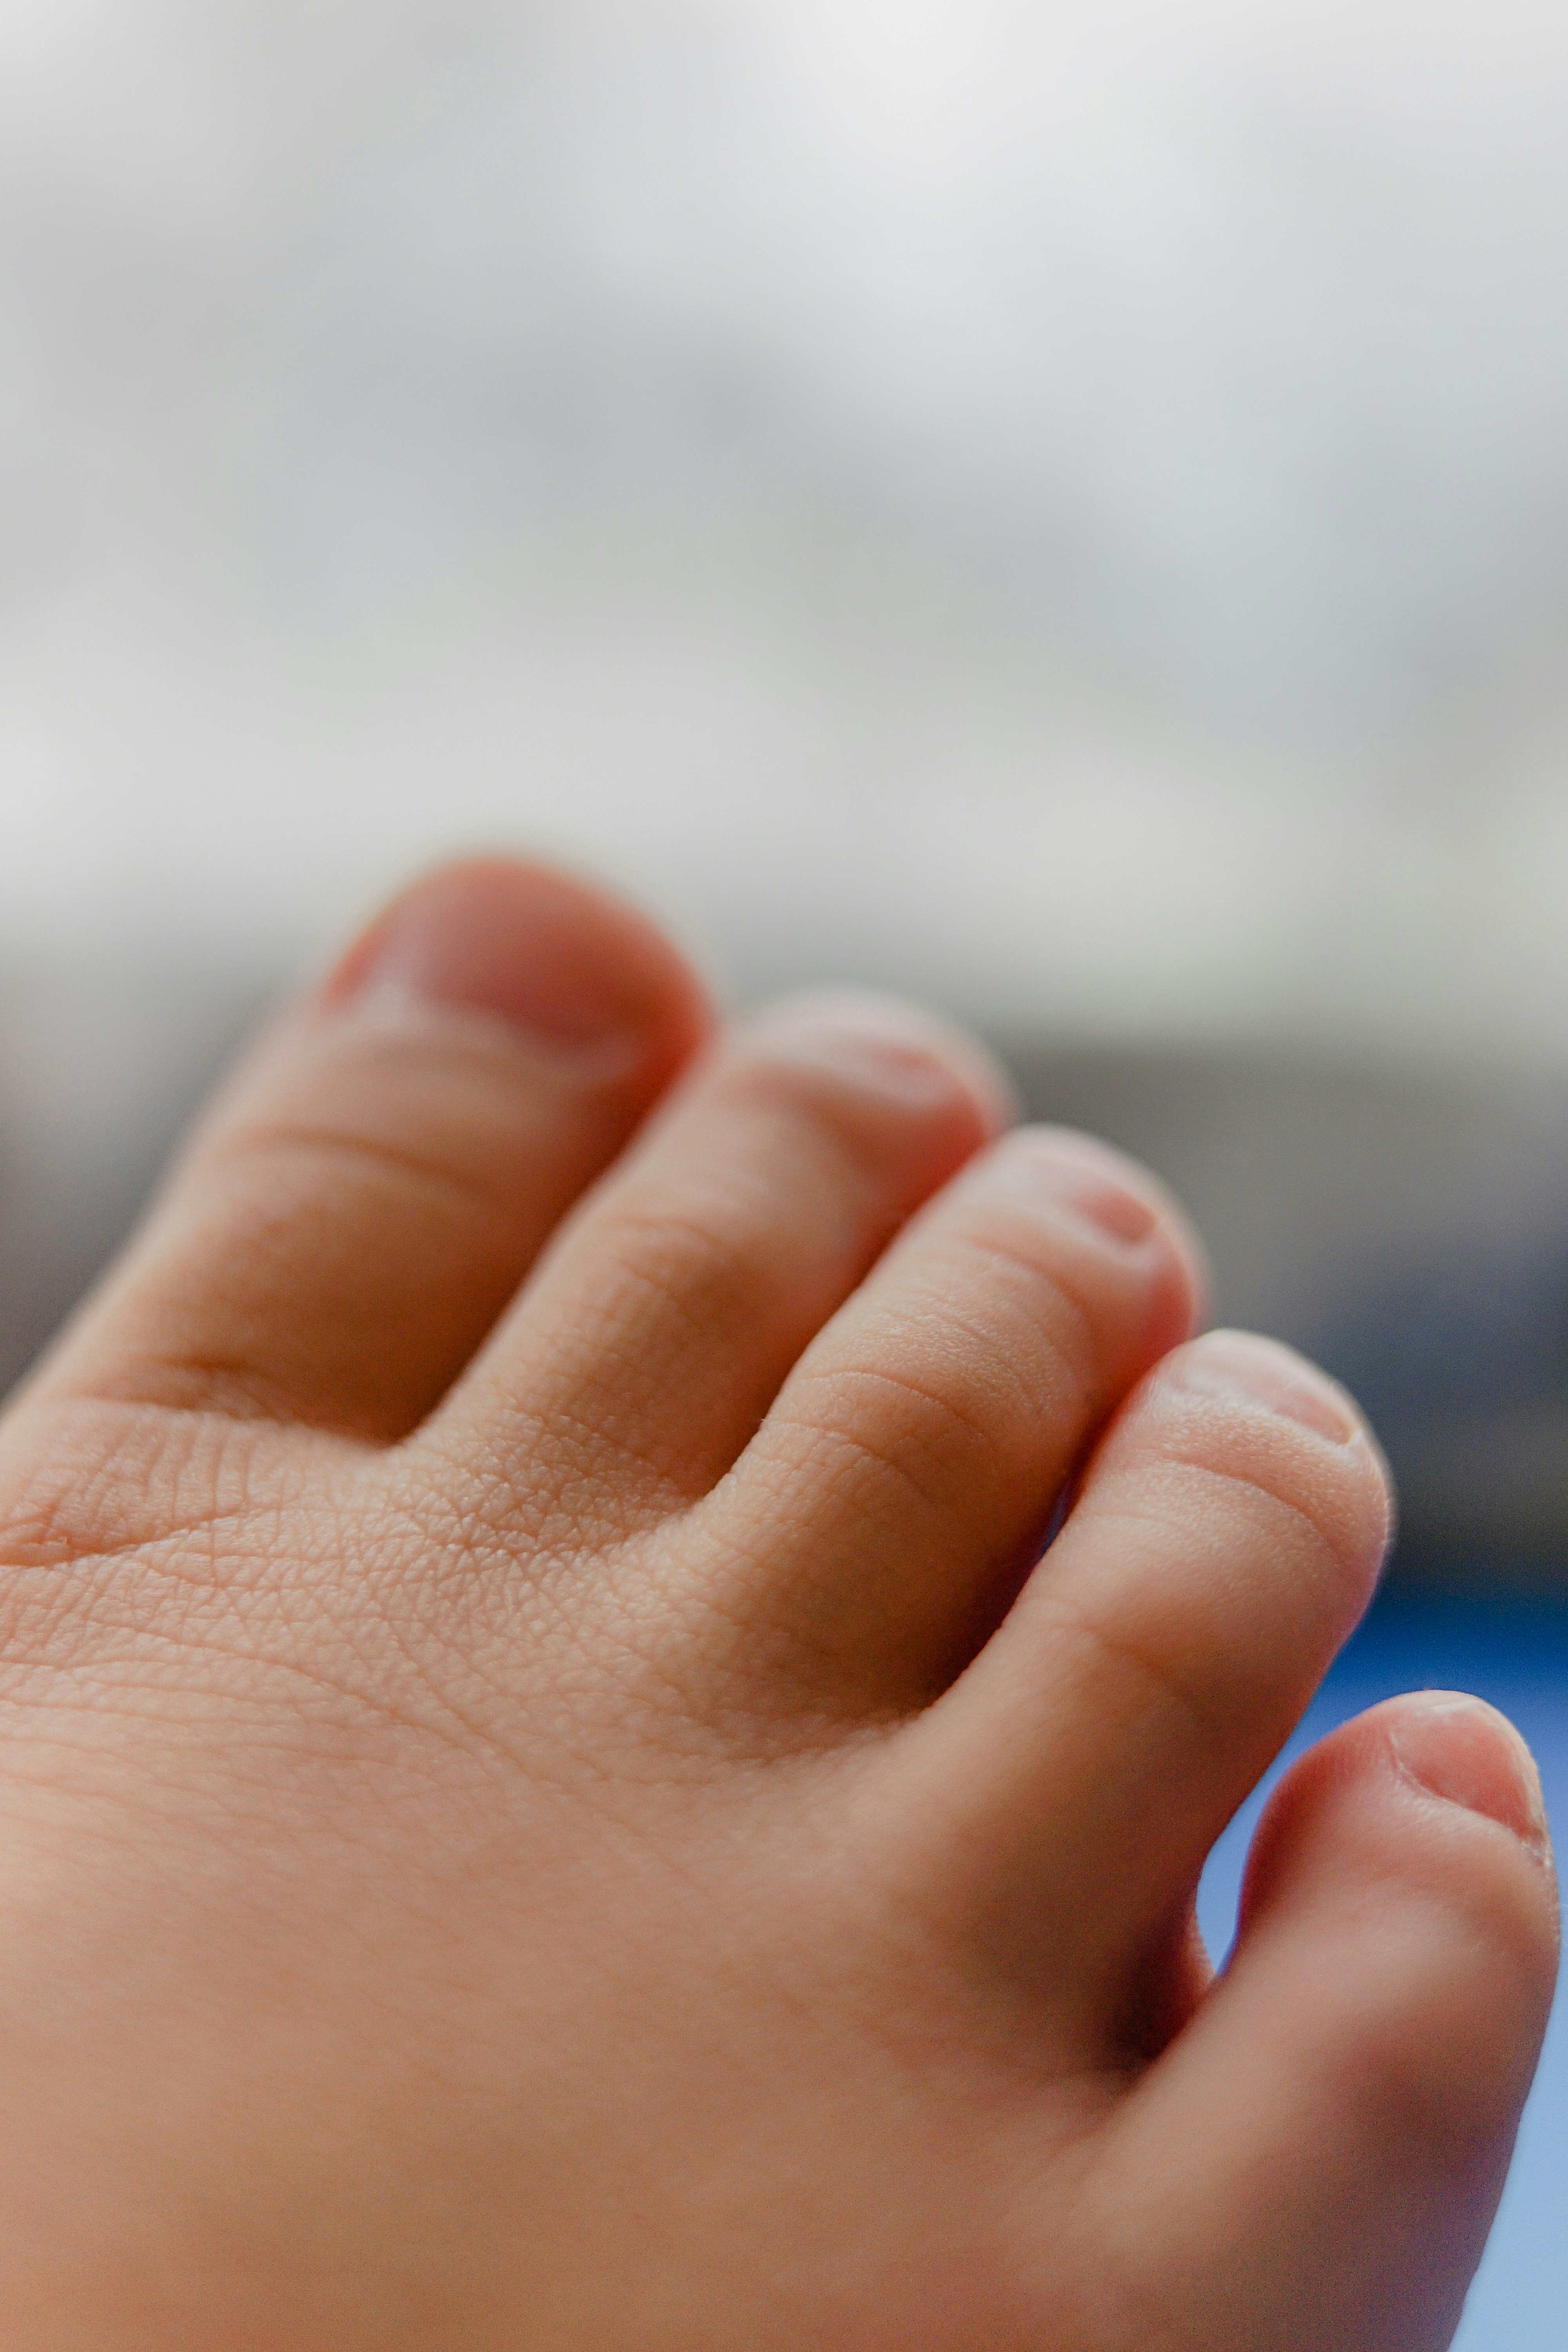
[(1349, 2091)]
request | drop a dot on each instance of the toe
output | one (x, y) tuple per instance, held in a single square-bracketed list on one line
[(366, 1196), (880, 1522), (1227, 1536), (643, 1353), (1350, 2090)]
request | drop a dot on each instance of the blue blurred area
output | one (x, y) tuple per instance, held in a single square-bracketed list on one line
[(1516, 1655)]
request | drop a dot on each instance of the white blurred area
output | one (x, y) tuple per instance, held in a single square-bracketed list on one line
[(1064, 507)]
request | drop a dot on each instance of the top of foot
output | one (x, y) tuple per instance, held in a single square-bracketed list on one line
[(554, 1799)]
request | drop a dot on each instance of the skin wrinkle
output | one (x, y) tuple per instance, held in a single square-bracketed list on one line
[(1031, 1410), (1261, 1433), (596, 1439), (1050, 1613), (1151, 1548), (147, 1457), (575, 1635), (1042, 1278), (940, 1312), (466, 1188), (77, 1608), (489, 1736), (557, 1635), (836, 1460), (746, 1615), (46, 1536), (521, 1516), (693, 1674), (657, 1681), (928, 1365), (405, 1633), (1163, 1678), (461, 1052), (860, 1468), (494, 1505), (849, 1425), (723, 1216), (1208, 1478), (453, 1045), (237, 1642), (801, 1659), (298, 1685), (231, 1385), (727, 1267), (728, 1264), (722, 1264), (682, 1246), (355, 1634), (802, 1101), (174, 1561)]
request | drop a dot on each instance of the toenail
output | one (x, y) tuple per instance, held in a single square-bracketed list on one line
[(1238, 1365), (881, 1042), (1069, 1172), (1458, 1747), (479, 943)]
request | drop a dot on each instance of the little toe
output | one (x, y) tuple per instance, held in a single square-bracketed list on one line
[(1350, 2091), (1226, 1539), (903, 1480), (362, 1200), (651, 1340)]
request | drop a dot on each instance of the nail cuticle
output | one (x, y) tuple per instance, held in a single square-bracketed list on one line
[(1026, 1169), (1245, 1371), (1491, 1772), (879, 1044), (389, 1005)]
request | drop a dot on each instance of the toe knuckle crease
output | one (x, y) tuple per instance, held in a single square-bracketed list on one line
[(1304, 1515), (1055, 1299), (470, 1188), (946, 1427), (1146, 1663)]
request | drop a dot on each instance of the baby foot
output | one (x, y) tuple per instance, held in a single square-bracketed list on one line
[(548, 1802)]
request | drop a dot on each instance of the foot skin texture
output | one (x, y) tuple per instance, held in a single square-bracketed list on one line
[(555, 1797)]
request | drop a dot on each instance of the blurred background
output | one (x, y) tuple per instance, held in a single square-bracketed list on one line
[(1062, 510)]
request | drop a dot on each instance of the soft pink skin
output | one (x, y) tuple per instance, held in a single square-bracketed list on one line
[(542, 1808)]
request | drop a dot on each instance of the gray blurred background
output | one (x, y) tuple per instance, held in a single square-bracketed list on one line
[(1062, 510)]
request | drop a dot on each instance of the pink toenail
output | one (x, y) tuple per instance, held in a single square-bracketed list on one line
[(1072, 1171), (1460, 1749), (1236, 1364), (893, 1046), (506, 943)]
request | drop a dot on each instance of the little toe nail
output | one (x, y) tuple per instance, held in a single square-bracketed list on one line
[(1460, 1749), (1239, 1365)]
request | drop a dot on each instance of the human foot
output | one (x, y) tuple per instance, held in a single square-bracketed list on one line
[(561, 1820)]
